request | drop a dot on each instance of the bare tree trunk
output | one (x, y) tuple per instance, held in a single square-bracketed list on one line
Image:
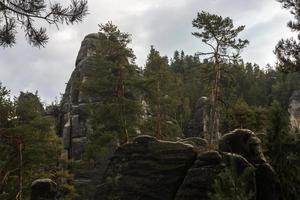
[(214, 115), (217, 110)]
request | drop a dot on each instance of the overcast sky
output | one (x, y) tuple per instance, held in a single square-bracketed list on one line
[(166, 24)]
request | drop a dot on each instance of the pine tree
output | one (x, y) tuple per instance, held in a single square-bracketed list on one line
[(22, 14), (220, 35)]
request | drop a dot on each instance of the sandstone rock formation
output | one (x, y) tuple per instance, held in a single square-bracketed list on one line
[(199, 123), (75, 127), (151, 169), (146, 169), (200, 177), (196, 142), (74, 124), (294, 110), (246, 144), (43, 189)]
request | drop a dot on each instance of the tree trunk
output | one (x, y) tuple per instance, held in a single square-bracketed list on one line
[(214, 115), (20, 176), (158, 112)]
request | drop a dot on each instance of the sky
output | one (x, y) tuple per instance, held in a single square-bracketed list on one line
[(166, 24)]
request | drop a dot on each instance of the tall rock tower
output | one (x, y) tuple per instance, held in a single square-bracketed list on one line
[(75, 127)]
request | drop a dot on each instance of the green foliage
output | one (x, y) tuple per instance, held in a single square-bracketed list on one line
[(161, 97), (241, 115), (6, 107), (220, 35), (96, 148), (229, 185), (283, 151), (22, 14), (115, 79), (287, 49), (189, 74), (28, 107), (31, 135)]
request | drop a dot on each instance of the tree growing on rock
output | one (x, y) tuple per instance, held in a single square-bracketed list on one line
[(220, 35)]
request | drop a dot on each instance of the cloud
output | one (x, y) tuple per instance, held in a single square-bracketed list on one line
[(166, 24)]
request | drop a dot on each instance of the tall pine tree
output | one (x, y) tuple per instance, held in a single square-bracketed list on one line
[(219, 35)]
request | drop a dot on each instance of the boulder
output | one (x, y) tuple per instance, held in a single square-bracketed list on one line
[(197, 142), (43, 189), (244, 142), (200, 178), (147, 169), (152, 169)]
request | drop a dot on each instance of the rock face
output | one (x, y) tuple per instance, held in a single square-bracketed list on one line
[(74, 120), (43, 189), (199, 180), (75, 127), (151, 169), (199, 123), (197, 142), (294, 110), (246, 144), (146, 169)]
